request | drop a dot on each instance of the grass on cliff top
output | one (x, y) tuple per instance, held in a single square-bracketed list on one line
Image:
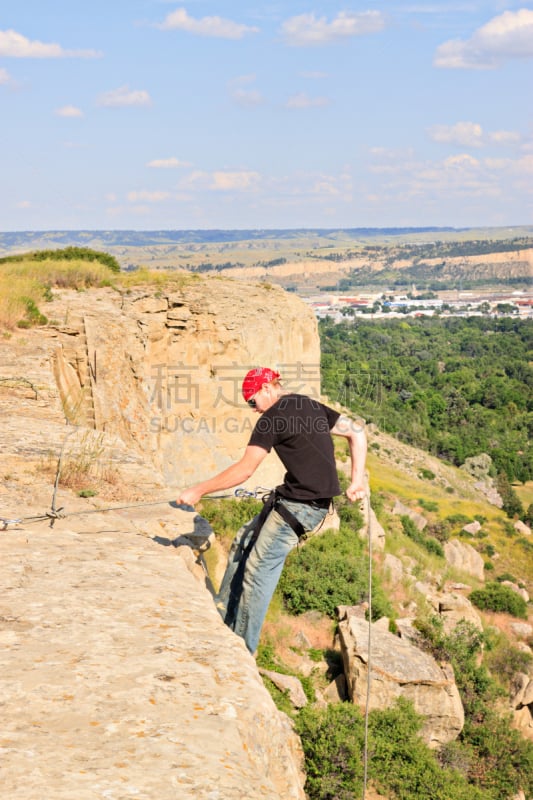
[(26, 285)]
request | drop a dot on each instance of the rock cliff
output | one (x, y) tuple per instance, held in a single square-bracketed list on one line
[(164, 369), (119, 678)]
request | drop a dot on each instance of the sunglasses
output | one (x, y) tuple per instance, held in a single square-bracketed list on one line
[(252, 403)]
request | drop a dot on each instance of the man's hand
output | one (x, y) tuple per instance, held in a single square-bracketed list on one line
[(189, 497), (355, 492)]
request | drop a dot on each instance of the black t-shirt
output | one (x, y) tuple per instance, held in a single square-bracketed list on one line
[(298, 428)]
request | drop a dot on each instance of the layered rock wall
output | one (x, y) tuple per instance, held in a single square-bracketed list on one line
[(166, 368)]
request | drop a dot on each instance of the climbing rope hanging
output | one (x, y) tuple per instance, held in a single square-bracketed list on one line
[(369, 646)]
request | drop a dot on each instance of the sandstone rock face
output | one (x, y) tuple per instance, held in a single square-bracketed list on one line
[(464, 557), (165, 372), (454, 608), (119, 678), (398, 669)]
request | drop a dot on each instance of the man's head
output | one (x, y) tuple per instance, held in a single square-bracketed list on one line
[(260, 388)]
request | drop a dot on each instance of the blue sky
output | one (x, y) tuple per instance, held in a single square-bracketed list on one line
[(148, 114)]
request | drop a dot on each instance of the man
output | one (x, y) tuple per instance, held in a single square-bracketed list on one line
[(299, 429)]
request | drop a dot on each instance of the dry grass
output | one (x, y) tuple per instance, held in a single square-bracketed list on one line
[(84, 466), (30, 280)]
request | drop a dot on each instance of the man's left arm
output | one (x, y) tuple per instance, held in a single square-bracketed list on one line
[(354, 432)]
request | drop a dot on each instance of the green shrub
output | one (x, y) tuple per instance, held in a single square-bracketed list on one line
[(462, 648), (496, 597), (503, 759), (506, 576), (399, 763), (333, 741), (67, 254), (227, 515), (330, 570), (505, 661), (458, 519), (511, 502), (428, 542), (429, 505), (32, 314), (440, 530)]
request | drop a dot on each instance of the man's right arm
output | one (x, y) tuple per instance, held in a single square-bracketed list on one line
[(232, 476)]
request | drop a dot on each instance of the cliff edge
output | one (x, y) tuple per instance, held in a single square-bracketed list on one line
[(118, 677)]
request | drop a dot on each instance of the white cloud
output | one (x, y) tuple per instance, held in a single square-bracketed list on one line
[(15, 45), (147, 197), (225, 180), (302, 100), (23, 204), (167, 163), (206, 26), (5, 77), (69, 111), (471, 134), (221, 180), (507, 36), (525, 165), (247, 98), (465, 134), (462, 161), (124, 96), (307, 29), (504, 137)]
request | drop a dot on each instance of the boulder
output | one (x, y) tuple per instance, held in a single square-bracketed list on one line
[(522, 629), (517, 589), (393, 568), (289, 684), (402, 510), (455, 608), (472, 527), (521, 528), (399, 669), (336, 691), (463, 556)]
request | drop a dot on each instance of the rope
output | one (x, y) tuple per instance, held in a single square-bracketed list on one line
[(369, 647), (57, 513)]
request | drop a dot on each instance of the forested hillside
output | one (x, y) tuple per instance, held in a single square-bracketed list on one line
[(455, 387)]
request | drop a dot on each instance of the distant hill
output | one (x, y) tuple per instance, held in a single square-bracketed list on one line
[(309, 259), (21, 241)]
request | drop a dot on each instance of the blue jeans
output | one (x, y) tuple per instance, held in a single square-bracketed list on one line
[(252, 575)]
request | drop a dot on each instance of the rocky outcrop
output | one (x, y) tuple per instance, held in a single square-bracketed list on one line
[(453, 608), (463, 556), (118, 675), (119, 678), (402, 510), (521, 528), (399, 669), (522, 704), (165, 368)]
